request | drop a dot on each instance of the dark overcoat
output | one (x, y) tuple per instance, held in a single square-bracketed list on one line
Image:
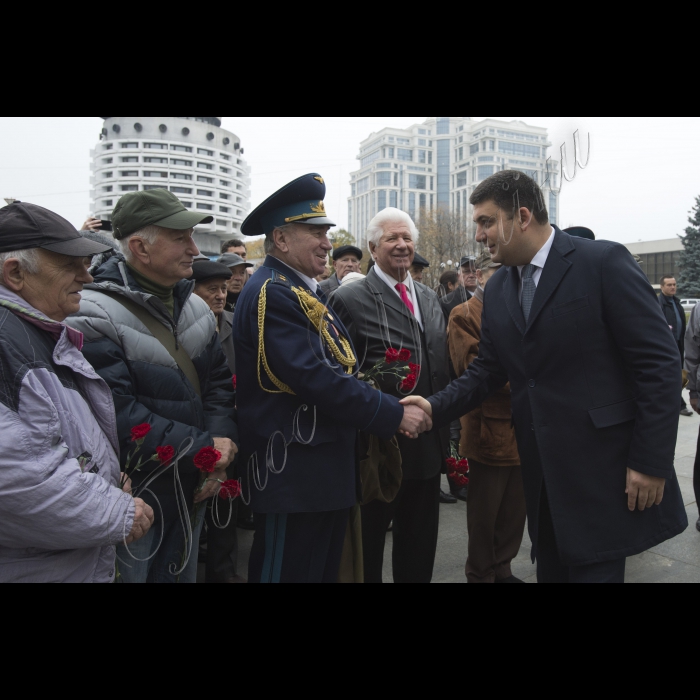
[(300, 448), (331, 284), (595, 382), (377, 319)]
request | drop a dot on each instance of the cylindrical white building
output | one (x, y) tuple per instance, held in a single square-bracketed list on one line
[(193, 157)]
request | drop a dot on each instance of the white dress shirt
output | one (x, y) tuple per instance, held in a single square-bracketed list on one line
[(539, 261), (311, 283), (411, 291)]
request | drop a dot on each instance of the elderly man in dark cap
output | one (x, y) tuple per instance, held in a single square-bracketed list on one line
[(420, 265), (239, 277), (302, 402), (346, 259), (156, 346), (61, 497)]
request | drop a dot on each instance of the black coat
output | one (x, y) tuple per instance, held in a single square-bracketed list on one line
[(330, 285), (667, 304), (595, 384), (377, 319)]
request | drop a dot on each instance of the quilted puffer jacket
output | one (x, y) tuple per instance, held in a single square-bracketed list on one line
[(146, 382), (61, 509)]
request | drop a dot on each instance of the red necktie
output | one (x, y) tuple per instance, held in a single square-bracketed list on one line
[(402, 289)]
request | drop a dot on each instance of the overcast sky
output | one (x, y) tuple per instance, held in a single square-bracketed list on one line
[(640, 184)]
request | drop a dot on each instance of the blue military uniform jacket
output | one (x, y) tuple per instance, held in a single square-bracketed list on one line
[(298, 449)]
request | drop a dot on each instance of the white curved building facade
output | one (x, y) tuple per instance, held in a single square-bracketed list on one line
[(192, 157)]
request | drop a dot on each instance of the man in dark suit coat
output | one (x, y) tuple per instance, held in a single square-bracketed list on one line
[(389, 310), (593, 366), (346, 259), (300, 402)]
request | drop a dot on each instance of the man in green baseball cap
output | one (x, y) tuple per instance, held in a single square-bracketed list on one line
[(157, 347)]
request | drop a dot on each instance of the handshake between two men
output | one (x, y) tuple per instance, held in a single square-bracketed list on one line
[(418, 417)]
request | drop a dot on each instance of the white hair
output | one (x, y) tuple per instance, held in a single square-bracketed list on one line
[(270, 238), (376, 227), (149, 234), (28, 261)]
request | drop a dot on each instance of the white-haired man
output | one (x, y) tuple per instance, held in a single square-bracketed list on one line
[(390, 310), (63, 507), (156, 346)]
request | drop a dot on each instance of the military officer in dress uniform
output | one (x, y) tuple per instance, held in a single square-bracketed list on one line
[(300, 402)]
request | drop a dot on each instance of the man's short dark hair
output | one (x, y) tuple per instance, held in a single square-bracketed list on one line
[(235, 243), (510, 190), (667, 277)]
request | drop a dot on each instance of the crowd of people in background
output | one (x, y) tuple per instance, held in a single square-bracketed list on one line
[(155, 401)]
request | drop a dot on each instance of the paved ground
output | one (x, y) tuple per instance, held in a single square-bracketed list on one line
[(677, 561)]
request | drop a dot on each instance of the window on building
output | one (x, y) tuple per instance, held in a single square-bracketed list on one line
[(518, 149), (224, 183), (462, 179), (363, 185), (224, 210), (205, 152), (108, 147), (383, 180), (188, 205), (394, 199), (443, 125), (390, 152), (205, 207), (107, 161), (182, 149), (129, 173), (204, 178), (180, 176), (107, 174), (153, 173), (129, 145), (381, 200), (474, 149), (417, 182), (223, 195), (552, 208), (152, 160), (128, 159), (182, 163), (129, 188), (368, 160), (181, 190), (403, 142), (484, 171), (205, 193), (422, 156), (108, 188), (224, 156), (405, 154), (156, 146), (226, 171), (205, 166), (412, 204), (108, 202), (153, 187), (423, 202)]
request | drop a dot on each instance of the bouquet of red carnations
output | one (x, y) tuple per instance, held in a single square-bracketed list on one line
[(396, 363), (457, 468)]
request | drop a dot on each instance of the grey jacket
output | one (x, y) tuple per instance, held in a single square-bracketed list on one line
[(62, 509), (332, 284), (692, 353)]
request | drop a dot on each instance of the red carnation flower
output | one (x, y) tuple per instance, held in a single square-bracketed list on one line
[(414, 369), (452, 463), (392, 356), (235, 382), (409, 384), (463, 467), (207, 459), (230, 490), (462, 481), (405, 355), (165, 454), (140, 432)]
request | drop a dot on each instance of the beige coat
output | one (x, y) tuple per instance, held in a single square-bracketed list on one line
[(487, 432)]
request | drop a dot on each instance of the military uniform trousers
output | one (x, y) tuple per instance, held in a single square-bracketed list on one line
[(298, 547), (496, 517)]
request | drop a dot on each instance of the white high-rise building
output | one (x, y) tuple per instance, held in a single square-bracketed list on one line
[(440, 162), (193, 157)]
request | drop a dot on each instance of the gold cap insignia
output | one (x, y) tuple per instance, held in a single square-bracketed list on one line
[(319, 208), (320, 179)]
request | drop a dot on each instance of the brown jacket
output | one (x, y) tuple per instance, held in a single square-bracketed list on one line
[(487, 433)]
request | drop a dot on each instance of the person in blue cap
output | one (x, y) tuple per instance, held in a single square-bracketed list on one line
[(300, 402)]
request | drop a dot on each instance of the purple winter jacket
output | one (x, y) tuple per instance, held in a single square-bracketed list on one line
[(61, 510)]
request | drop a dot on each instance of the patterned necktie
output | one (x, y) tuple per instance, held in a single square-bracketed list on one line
[(402, 289), (529, 290)]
